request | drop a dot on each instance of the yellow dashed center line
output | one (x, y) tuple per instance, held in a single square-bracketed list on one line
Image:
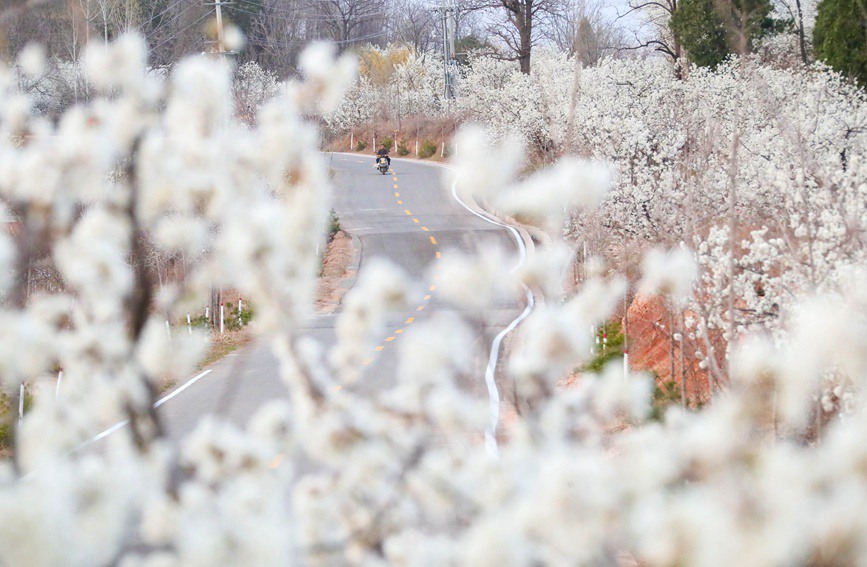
[(427, 297), (433, 288)]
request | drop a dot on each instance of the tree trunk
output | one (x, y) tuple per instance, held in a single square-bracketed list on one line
[(801, 41), (525, 32)]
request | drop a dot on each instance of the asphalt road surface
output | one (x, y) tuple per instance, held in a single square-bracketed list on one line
[(407, 217)]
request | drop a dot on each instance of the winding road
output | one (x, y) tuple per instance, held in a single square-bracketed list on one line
[(406, 217)]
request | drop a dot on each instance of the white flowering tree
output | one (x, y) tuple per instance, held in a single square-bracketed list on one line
[(396, 83), (771, 156), (396, 476), (252, 86)]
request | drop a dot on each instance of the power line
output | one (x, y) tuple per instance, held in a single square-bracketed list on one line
[(339, 42), (165, 10), (271, 11), (178, 32)]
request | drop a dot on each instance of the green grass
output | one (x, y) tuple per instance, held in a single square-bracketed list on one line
[(606, 350), (224, 344), (333, 225)]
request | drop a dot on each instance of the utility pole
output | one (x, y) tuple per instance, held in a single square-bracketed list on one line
[(218, 13), (448, 21), (219, 9)]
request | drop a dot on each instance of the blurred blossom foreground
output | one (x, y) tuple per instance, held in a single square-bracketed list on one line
[(582, 476)]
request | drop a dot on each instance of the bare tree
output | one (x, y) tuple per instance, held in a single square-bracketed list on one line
[(413, 24), (349, 22), (654, 33), (580, 28), (795, 9), (277, 36), (173, 28), (517, 24), (110, 18)]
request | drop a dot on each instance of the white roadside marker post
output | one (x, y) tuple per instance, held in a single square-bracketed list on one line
[(222, 319), (189, 324), (21, 402), (595, 339), (240, 310), (351, 140), (59, 380), (625, 365), (416, 148), (443, 150), (168, 329)]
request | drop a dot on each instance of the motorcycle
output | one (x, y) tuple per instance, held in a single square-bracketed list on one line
[(382, 164)]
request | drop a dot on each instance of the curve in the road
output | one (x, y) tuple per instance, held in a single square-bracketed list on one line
[(494, 356), (410, 233)]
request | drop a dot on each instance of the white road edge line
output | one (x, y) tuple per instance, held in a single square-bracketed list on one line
[(157, 404), (186, 385), (490, 370)]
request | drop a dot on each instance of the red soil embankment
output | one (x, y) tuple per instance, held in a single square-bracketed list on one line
[(658, 344)]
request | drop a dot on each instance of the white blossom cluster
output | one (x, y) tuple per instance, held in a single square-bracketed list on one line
[(252, 87), (414, 87), (340, 473), (781, 150)]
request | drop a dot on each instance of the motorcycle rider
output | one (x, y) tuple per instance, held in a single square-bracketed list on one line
[(382, 152)]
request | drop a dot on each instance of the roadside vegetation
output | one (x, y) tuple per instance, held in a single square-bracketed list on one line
[(700, 207)]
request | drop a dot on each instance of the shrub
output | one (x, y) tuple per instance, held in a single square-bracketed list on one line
[(402, 150), (200, 321), (5, 432), (388, 143), (427, 149), (665, 394), (333, 225), (232, 320), (8, 412), (360, 145)]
